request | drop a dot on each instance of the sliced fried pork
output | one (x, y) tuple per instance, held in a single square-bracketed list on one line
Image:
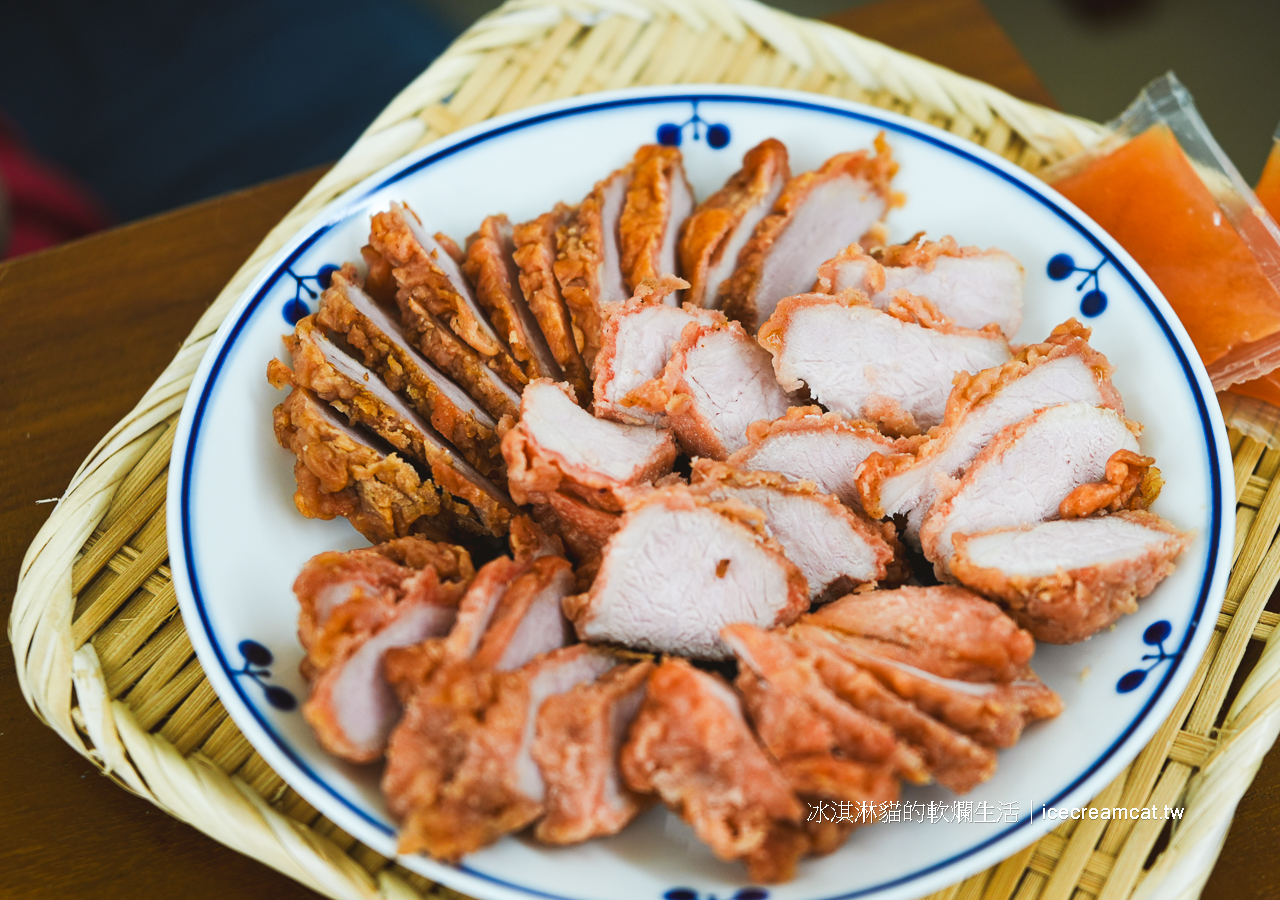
[(893, 367), (954, 760), (720, 227), (816, 215), (1129, 481), (836, 549), (796, 716), (677, 571), (490, 267), (367, 328), (971, 287), (584, 528), (1062, 369), (991, 713), (659, 200), (535, 256), (579, 741), (1024, 473), (460, 772), (322, 367), (635, 346), (717, 383), (808, 444), (1066, 580), (949, 631), (342, 471), (691, 745), (355, 606), (429, 275), (588, 260), (528, 621), (559, 446)]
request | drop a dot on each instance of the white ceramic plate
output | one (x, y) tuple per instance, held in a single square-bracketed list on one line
[(237, 542)]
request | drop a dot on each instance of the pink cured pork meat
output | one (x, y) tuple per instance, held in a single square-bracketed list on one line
[(1025, 473), (1062, 369), (971, 287), (678, 570), (807, 444), (635, 346), (817, 214), (713, 238), (1066, 580), (716, 385), (891, 367)]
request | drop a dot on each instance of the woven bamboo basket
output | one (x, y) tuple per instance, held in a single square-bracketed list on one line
[(103, 656)]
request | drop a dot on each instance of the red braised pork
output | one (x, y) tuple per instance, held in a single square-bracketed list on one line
[(720, 227), (892, 367), (816, 215), (1066, 580)]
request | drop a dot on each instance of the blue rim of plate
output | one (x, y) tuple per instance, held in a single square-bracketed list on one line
[(192, 414)]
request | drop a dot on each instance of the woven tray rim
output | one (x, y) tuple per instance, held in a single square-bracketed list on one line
[(64, 684)]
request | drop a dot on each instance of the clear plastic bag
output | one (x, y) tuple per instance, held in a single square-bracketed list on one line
[(1161, 185)]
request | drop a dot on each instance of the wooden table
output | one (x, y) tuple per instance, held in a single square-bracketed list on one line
[(91, 324)]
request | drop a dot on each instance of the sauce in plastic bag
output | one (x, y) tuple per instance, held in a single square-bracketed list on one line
[(1268, 190), (1148, 196)]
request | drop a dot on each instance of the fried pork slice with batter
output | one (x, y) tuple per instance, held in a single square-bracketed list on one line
[(816, 215), (354, 607), (1066, 580), (807, 444), (559, 446), (528, 621), (635, 346), (836, 549), (1024, 474), (579, 741), (992, 713), (891, 367), (949, 631), (692, 746), (588, 262), (535, 257), (1061, 369), (429, 275), (659, 200), (717, 383), (342, 471), (358, 393), (720, 227), (490, 267), (460, 771), (954, 760), (972, 287), (678, 569), (797, 717), (379, 338)]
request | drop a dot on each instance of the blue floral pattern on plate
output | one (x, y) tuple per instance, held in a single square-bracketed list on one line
[(1094, 301), (256, 658), (1154, 636), (296, 309), (718, 135)]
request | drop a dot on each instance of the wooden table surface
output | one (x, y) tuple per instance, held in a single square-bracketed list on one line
[(90, 326)]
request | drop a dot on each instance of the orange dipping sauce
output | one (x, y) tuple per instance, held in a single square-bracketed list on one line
[(1148, 196)]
